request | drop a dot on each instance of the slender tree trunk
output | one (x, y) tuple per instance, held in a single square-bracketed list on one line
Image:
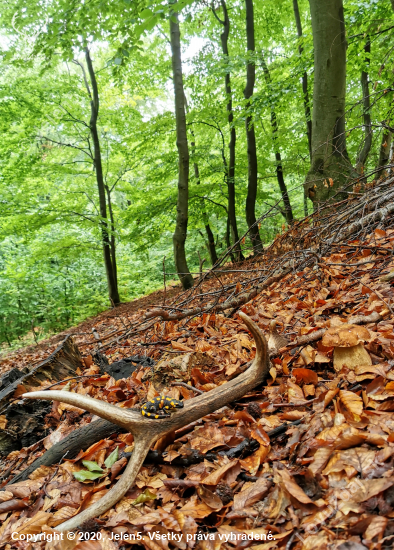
[(179, 237), (109, 260), (233, 137), (384, 153), (288, 212), (211, 240), (305, 93), (250, 208), (363, 155), (113, 240), (330, 169)]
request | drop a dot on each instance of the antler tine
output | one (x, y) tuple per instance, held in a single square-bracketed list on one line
[(122, 417), (147, 431)]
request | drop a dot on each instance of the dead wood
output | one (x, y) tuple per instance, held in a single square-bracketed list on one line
[(316, 335), (147, 431), (63, 362), (24, 421)]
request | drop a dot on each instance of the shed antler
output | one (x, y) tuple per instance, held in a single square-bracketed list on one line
[(147, 431)]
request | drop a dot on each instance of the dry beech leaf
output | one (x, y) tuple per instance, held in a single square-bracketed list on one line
[(195, 508), (320, 459), (180, 347), (361, 490), (228, 472), (352, 402), (295, 394), (253, 493), (293, 488), (210, 498), (307, 376), (376, 528)]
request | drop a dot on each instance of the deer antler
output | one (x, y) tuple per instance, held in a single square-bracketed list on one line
[(147, 431)]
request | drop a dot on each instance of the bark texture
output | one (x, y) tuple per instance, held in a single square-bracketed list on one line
[(330, 167), (288, 212), (384, 153), (210, 238), (305, 93), (233, 136), (182, 207), (251, 197), (363, 155), (106, 226)]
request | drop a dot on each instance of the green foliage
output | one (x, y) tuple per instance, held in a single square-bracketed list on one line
[(94, 471), (51, 266)]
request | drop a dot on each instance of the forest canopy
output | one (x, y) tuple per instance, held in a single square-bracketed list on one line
[(142, 137)]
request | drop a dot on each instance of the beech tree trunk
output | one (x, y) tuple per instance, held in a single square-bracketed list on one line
[(330, 168), (108, 251), (250, 134), (305, 93), (233, 136), (288, 212), (363, 155), (179, 237), (210, 238), (384, 153)]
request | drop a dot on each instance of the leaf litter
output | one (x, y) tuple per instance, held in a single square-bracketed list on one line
[(324, 480)]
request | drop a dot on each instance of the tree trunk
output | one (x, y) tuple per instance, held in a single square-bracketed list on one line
[(305, 92), (233, 137), (113, 240), (250, 208), (363, 155), (330, 167), (211, 240), (179, 237), (288, 212), (384, 153), (110, 266)]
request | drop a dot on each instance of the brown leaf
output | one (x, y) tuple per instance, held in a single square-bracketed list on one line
[(252, 493), (352, 402), (307, 376), (210, 498), (228, 473), (361, 490), (293, 488), (196, 509), (295, 393), (206, 438)]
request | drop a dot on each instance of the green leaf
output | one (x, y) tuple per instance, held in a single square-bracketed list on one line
[(84, 475), (112, 458), (146, 13), (92, 466), (144, 497)]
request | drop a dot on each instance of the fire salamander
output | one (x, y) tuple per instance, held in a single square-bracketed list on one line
[(159, 407)]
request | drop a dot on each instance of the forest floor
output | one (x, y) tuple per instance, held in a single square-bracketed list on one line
[(304, 461)]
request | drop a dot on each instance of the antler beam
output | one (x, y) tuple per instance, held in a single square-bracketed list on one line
[(147, 431)]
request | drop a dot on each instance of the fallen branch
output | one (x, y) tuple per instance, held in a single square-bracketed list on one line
[(147, 431), (374, 317)]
